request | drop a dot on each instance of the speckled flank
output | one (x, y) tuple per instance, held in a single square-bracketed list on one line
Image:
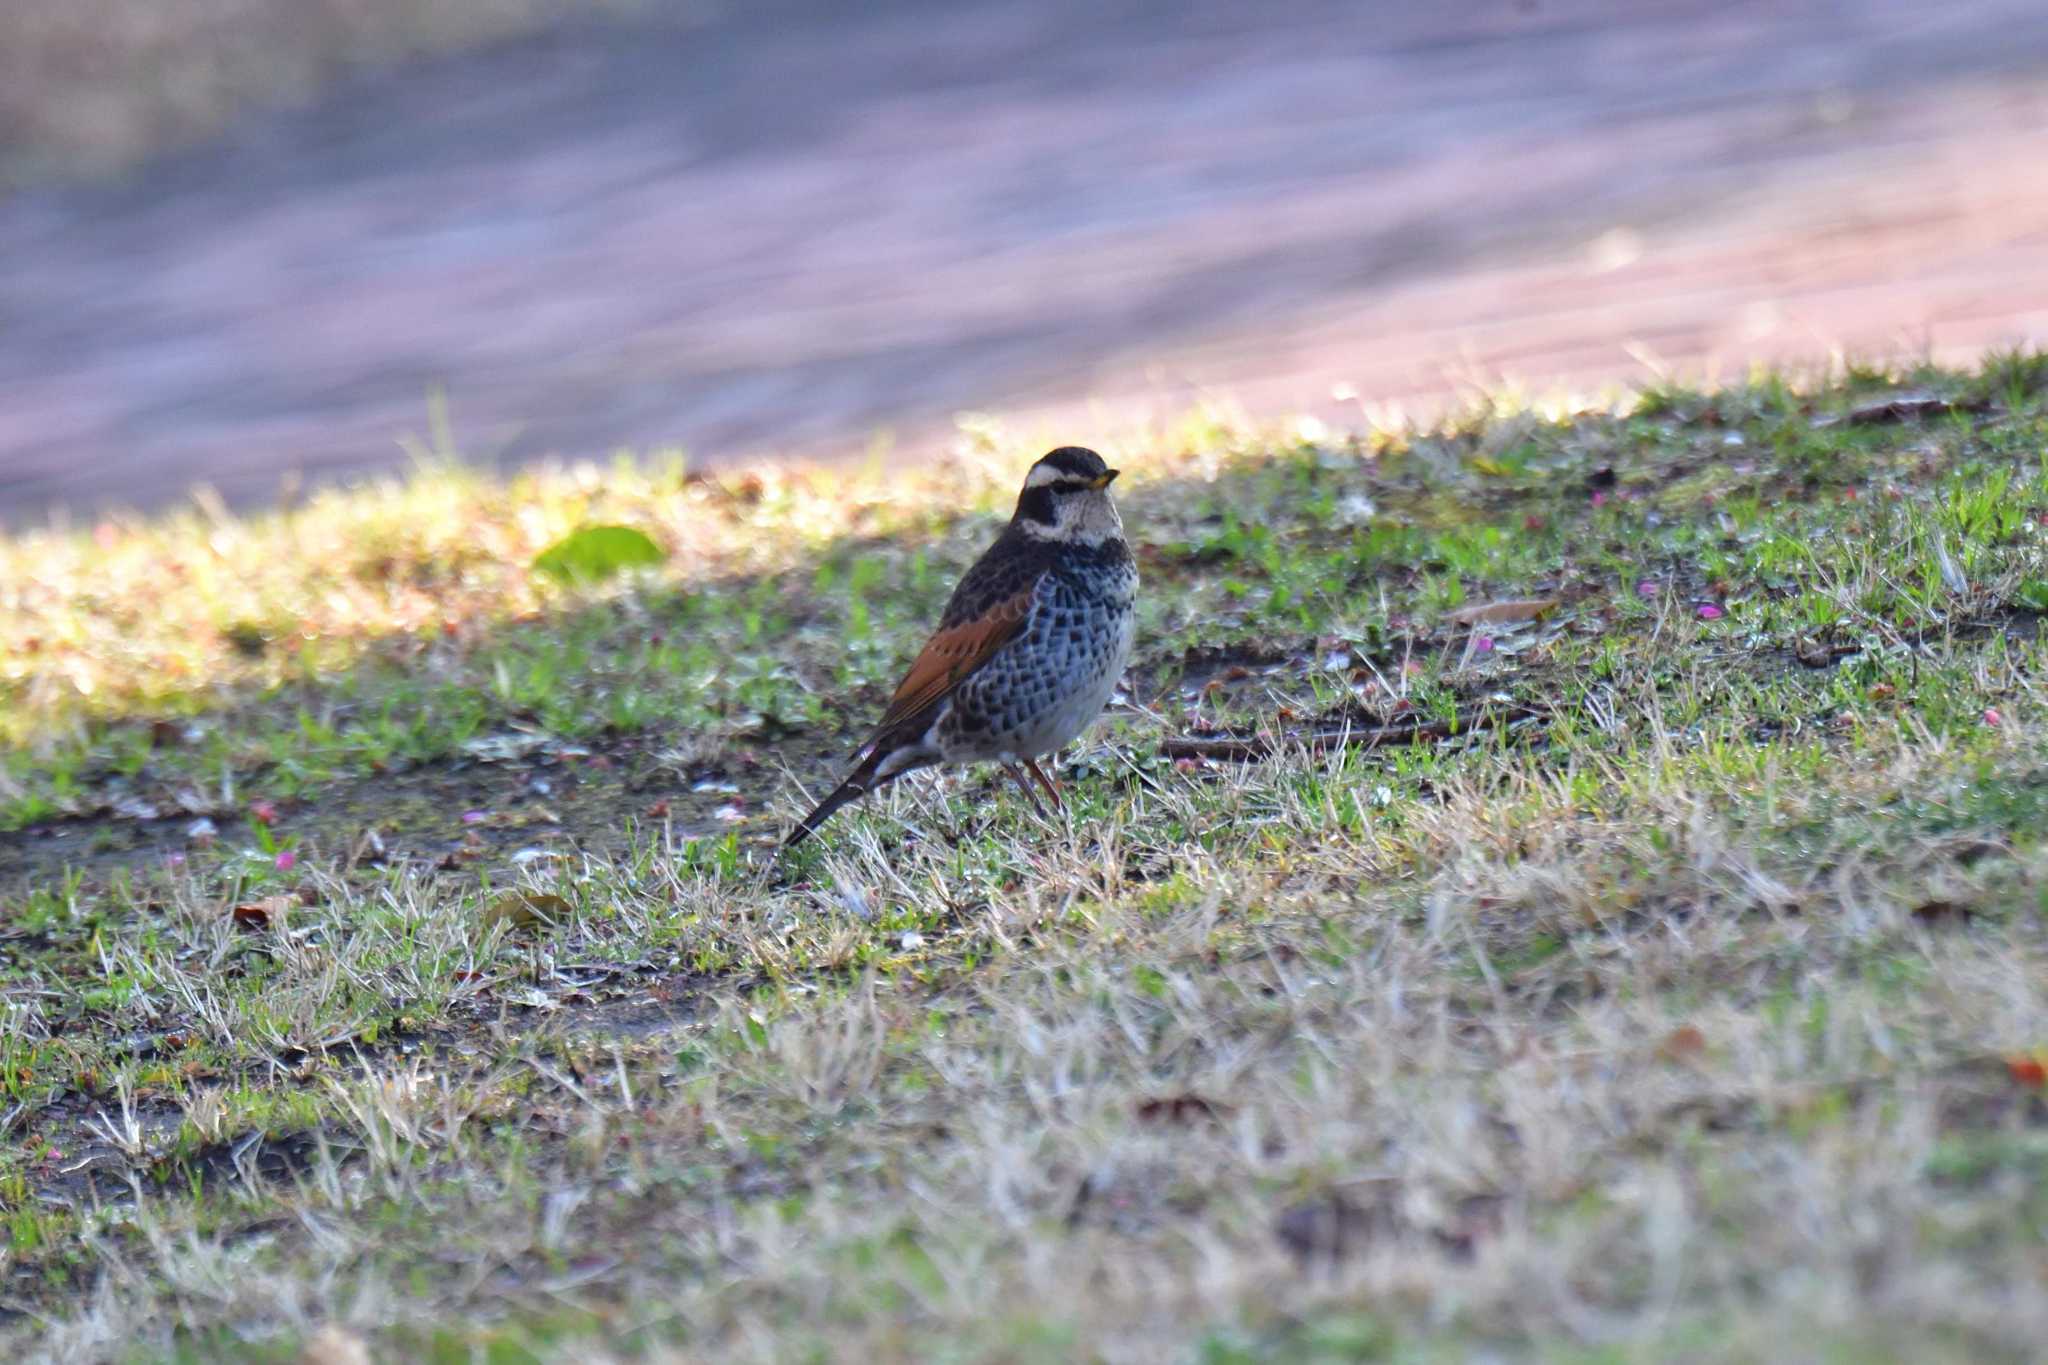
[(1044, 687)]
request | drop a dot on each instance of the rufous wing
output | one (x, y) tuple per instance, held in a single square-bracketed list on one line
[(954, 653)]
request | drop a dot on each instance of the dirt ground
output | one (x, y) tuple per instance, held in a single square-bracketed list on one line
[(787, 231)]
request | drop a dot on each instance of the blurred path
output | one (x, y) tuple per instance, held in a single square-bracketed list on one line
[(781, 231)]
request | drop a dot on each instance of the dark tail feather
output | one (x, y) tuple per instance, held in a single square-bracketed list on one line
[(858, 784)]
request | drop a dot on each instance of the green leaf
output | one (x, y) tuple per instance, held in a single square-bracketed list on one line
[(594, 553), (529, 910)]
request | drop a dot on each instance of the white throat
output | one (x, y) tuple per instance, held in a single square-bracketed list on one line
[(1089, 520)]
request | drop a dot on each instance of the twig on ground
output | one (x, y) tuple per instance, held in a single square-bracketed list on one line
[(1246, 748)]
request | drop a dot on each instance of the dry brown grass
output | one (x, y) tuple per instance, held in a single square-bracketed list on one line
[(1311, 1083)]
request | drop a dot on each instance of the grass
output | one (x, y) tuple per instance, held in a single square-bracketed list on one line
[(1663, 981)]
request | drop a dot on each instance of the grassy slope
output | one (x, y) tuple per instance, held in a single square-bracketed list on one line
[(1679, 1001)]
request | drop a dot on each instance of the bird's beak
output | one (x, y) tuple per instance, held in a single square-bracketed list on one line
[(1106, 480)]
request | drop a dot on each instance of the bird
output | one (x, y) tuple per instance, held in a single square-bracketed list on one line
[(1029, 648)]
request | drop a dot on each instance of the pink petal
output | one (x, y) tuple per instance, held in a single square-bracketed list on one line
[(1483, 645), (1599, 499), (475, 817), (1710, 612), (1647, 588), (285, 860), (1991, 717)]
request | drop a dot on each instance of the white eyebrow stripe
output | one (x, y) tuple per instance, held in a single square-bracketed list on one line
[(1042, 474)]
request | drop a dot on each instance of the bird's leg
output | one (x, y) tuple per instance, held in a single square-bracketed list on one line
[(1018, 776), (1052, 788)]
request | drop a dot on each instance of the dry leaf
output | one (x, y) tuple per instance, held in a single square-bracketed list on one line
[(1177, 1109), (256, 915), (333, 1345), (1502, 613), (1682, 1043), (1328, 1228), (528, 909), (1937, 911), (1897, 408)]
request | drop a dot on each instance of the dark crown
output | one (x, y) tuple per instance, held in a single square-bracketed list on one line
[(1076, 461)]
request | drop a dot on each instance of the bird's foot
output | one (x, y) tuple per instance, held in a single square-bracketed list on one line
[(1017, 776), (1052, 788)]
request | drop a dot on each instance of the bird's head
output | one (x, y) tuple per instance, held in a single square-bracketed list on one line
[(1066, 497)]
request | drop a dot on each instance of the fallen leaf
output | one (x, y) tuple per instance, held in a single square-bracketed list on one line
[(1502, 613), (1938, 911), (595, 553), (1478, 1218), (1326, 1229), (468, 851), (533, 998), (506, 747), (333, 1345), (1177, 1109), (2029, 1068), (1897, 408), (1970, 850), (529, 909), (262, 914), (1682, 1043), (1822, 654)]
